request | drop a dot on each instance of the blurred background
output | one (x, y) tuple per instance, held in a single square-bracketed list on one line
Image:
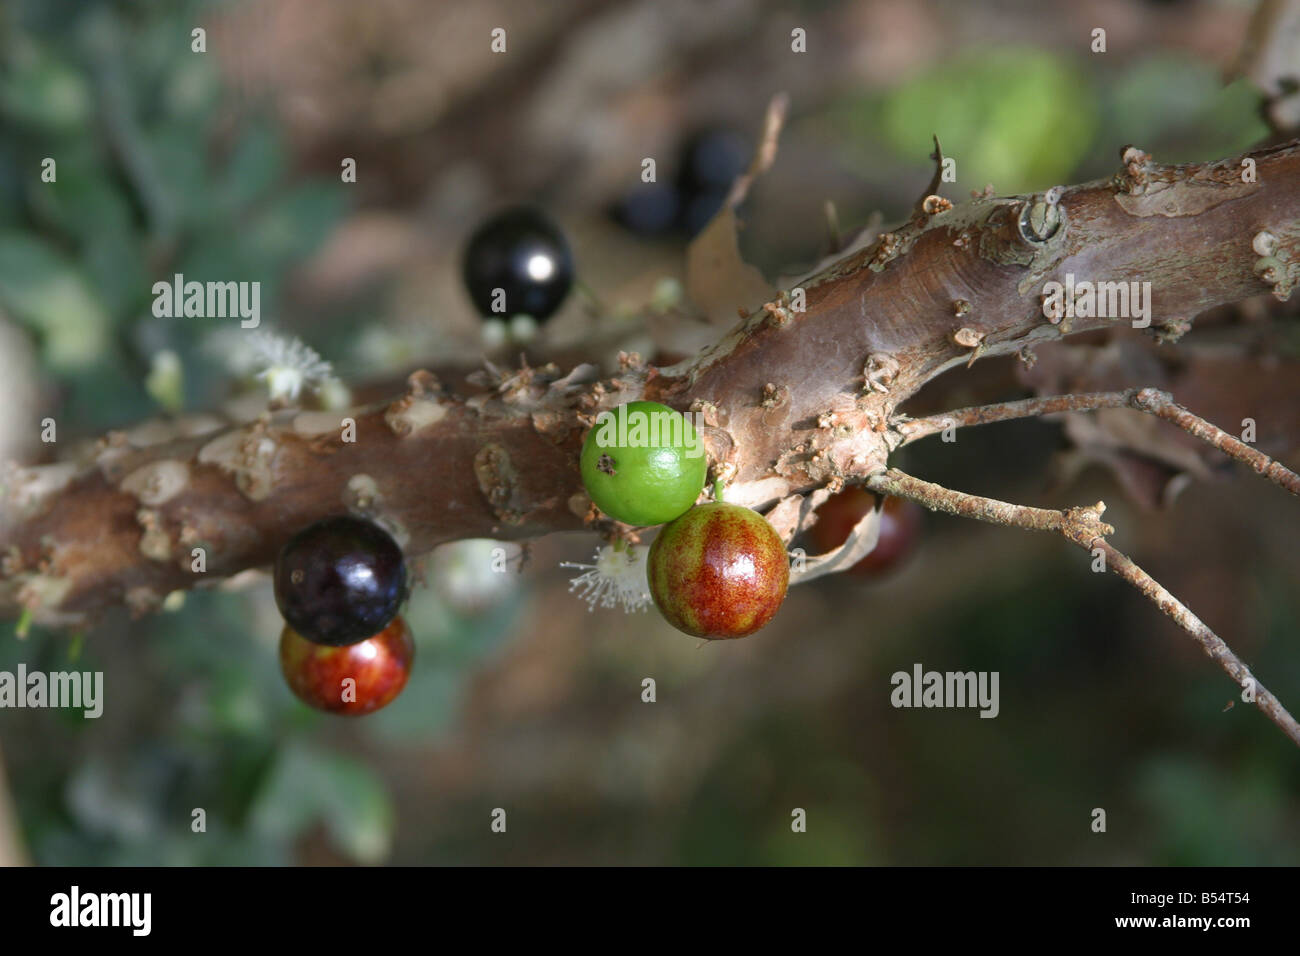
[(227, 164)]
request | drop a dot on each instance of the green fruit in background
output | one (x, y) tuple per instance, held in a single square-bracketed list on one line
[(643, 463), (719, 571)]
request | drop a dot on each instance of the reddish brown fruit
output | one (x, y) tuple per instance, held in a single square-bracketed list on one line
[(718, 571), (377, 668), (900, 529)]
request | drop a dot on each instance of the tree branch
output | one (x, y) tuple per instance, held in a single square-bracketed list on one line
[(1149, 400), (794, 401), (1084, 528), (1075, 523), (1211, 643)]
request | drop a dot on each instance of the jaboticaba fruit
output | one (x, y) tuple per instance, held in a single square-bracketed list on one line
[(649, 209), (353, 680), (900, 529), (340, 580), (643, 463), (718, 571), (710, 161), (518, 263)]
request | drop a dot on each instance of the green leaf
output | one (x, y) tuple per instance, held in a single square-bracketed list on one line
[(44, 91), (45, 291), (307, 786), (104, 801), (358, 813), (86, 205), (179, 166), (254, 167), (82, 200), (296, 223), (192, 88)]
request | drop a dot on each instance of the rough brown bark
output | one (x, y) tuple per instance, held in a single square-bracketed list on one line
[(795, 401)]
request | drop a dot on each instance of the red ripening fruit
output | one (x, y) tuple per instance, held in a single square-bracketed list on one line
[(900, 529), (718, 571), (378, 665)]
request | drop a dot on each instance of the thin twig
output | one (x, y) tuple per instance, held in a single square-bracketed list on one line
[(1084, 521), (917, 428), (1083, 526), (1150, 400), (935, 181), (1162, 405), (1210, 642), (765, 154)]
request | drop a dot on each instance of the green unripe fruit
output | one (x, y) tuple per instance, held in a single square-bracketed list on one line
[(643, 463), (718, 571)]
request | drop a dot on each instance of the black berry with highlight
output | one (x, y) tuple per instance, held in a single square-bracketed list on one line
[(524, 254), (340, 580)]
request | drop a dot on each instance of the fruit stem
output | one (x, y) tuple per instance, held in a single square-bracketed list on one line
[(718, 487)]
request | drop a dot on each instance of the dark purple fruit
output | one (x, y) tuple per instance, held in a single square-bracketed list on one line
[(649, 209), (357, 679), (340, 580), (710, 161), (523, 254)]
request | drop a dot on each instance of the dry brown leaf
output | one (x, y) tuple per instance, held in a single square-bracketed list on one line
[(718, 280)]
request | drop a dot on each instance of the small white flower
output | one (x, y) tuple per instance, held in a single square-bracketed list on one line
[(617, 578), (290, 365), (287, 365)]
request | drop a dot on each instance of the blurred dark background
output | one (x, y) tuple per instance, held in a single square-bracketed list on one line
[(226, 163)]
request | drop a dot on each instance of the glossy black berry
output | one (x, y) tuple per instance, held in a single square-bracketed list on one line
[(710, 161), (649, 209), (340, 580), (524, 254)]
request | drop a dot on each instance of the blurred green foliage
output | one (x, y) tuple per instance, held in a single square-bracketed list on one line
[(1025, 119), (150, 180), (1013, 117)]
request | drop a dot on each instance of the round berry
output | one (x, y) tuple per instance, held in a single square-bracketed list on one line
[(711, 159), (518, 263), (340, 580), (718, 571), (900, 529), (643, 463), (353, 680), (649, 209)]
